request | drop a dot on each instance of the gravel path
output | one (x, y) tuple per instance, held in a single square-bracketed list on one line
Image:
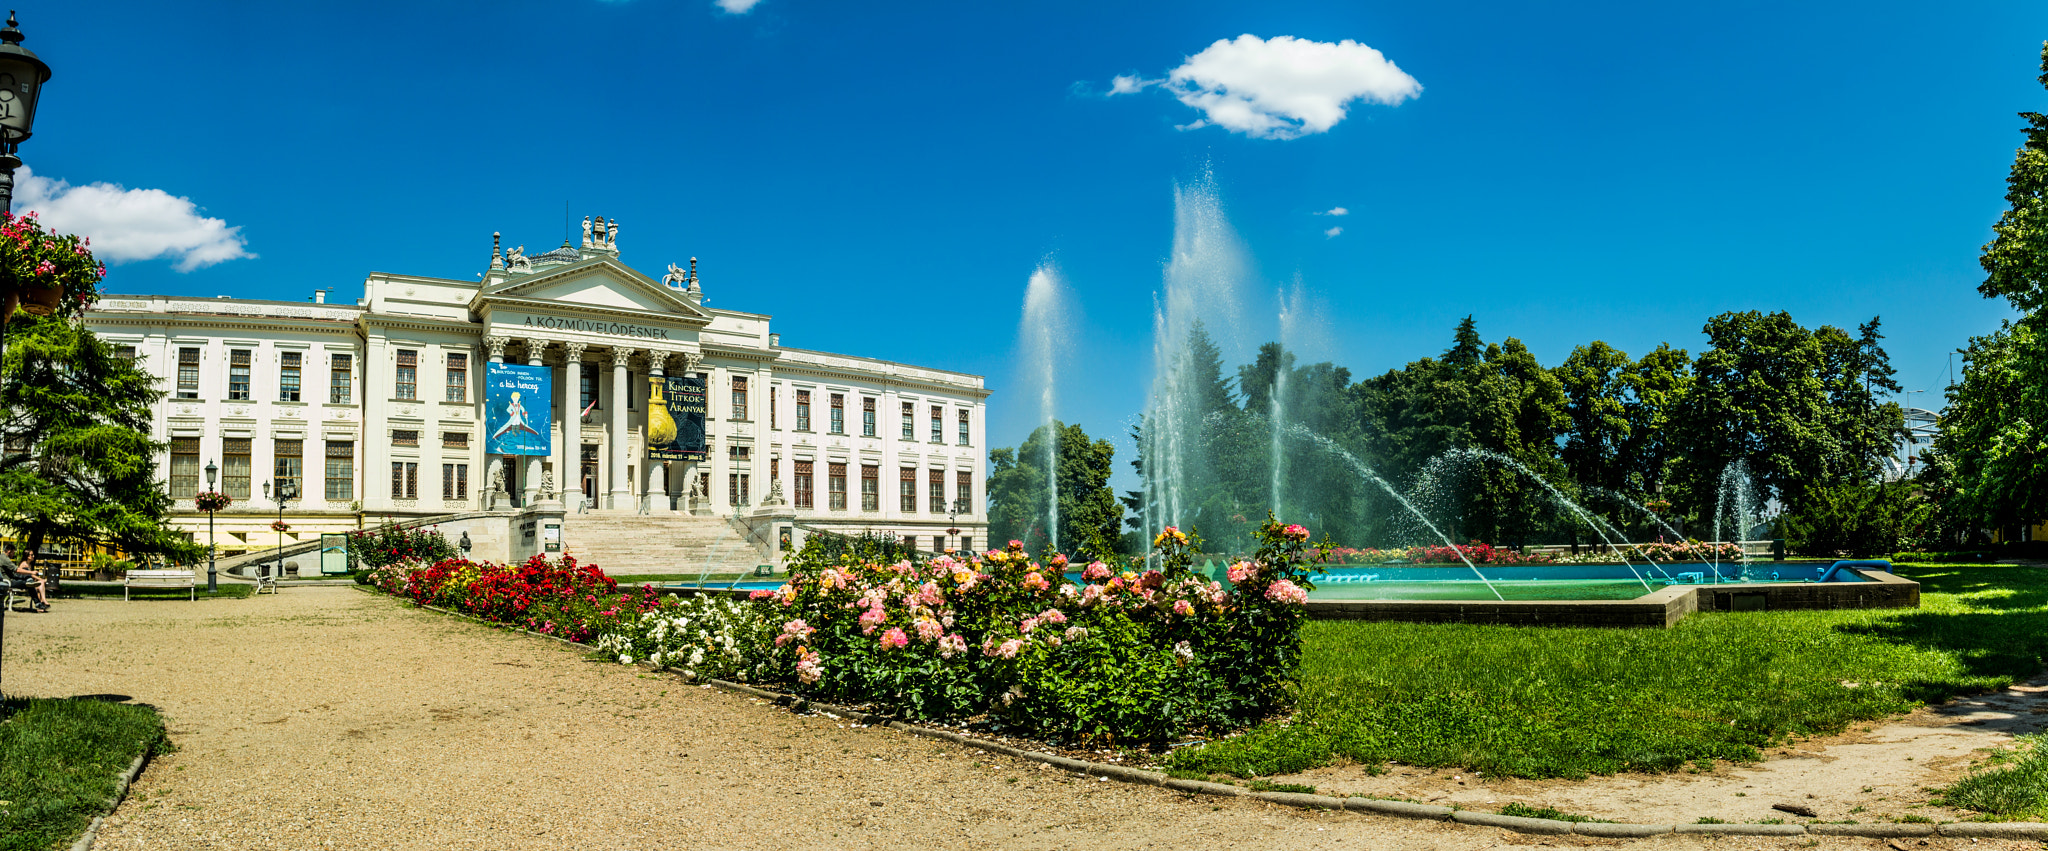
[(329, 717)]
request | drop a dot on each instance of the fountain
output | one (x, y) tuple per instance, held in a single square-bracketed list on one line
[(1044, 322)]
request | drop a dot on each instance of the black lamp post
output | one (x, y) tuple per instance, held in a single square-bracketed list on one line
[(212, 583), (285, 490), (22, 76), (952, 517)]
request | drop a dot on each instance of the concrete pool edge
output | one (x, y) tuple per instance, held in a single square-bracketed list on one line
[(1662, 608), (1659, 609)]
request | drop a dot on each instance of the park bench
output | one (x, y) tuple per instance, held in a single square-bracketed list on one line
[(161, 579)]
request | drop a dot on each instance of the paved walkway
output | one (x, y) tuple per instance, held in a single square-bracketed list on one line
[(331, 718)]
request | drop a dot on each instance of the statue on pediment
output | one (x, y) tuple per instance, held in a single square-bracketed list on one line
[(611, 236), (586, 231), (676, 277), (515, 260)]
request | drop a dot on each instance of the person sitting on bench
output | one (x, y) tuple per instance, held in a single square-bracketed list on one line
[(24, 574)]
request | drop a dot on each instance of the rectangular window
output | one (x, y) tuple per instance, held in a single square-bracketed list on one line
[(590, 471), (803, 483), (938, 543), (938, 424), (188, 373), (184, 467), (774, 400), (938, 491), (288, 376), (408, 384), (963, 492), (341, 379), (739, 397), (238, 374), (909, 421), (126, 353), (458, 378), (586, 379), (405, 480), (838, 414), (235, 467), (870, 487), (341, 470), (454, 481), (288, 465), (736, 489), (455, 439), (966, 543), (906, 489), (963, 426), (803, 410), (405, 437), (867, 417), (835, 486)]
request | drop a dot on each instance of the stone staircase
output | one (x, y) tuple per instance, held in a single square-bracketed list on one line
[(627, 544)]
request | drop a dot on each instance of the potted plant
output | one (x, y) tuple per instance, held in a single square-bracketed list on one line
[(50, 273), (212, 501)]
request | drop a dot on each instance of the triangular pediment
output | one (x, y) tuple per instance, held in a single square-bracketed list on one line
[(600, 282)]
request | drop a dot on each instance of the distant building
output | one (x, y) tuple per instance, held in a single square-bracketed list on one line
[(377, 410)]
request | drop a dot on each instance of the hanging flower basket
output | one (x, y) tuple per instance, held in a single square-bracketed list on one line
[(280, 526), (212, 501), (41, 299)]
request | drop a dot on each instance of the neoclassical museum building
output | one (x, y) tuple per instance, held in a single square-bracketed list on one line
[(392, 408)]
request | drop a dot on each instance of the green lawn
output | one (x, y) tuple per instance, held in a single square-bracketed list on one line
[(1567, 702), (227, 589), (58, 763)]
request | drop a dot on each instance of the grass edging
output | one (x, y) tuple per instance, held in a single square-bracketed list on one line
[(127, 779), (2037, 831)]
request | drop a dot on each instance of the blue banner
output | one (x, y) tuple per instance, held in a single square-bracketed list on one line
[(517, 409)]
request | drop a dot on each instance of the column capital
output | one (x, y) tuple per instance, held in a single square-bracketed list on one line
[(620, 355), (536, 344), (497, 345), (691, 360), (575, 351)]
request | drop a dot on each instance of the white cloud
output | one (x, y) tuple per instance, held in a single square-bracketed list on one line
[(1335, 211), (736, 7), (1332, 233), (1128, 84), (131, 224), (1283, 88)]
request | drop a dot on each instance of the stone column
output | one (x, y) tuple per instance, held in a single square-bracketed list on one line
[(530, 489), (494, 472), (650, 501), (620, 496), (568, 456)]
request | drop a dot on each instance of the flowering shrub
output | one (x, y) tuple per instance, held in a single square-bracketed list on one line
[(389, 545), (702, 636), (559, 598), (1127, 656), (211, 501), (1662, 552), (1476, 552)]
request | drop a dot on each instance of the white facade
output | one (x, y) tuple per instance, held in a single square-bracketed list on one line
[(372, 444)]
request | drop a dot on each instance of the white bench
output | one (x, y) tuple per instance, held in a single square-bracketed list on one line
[(161, 579)]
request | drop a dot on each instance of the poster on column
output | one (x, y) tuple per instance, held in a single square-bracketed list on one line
[(675, 418), (517, 409)]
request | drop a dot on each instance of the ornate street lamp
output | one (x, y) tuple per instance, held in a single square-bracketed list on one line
[(212, 582), (22, 76), (285, 490), (953, 516)]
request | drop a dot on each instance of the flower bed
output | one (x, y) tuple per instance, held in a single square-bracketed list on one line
[(1127, 657), (1475, 552)]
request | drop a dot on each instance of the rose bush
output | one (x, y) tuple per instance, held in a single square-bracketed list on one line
[(560, 598), (1127, 656), (389, 544)]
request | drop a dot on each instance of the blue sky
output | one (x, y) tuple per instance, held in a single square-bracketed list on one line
[(884, 178)]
